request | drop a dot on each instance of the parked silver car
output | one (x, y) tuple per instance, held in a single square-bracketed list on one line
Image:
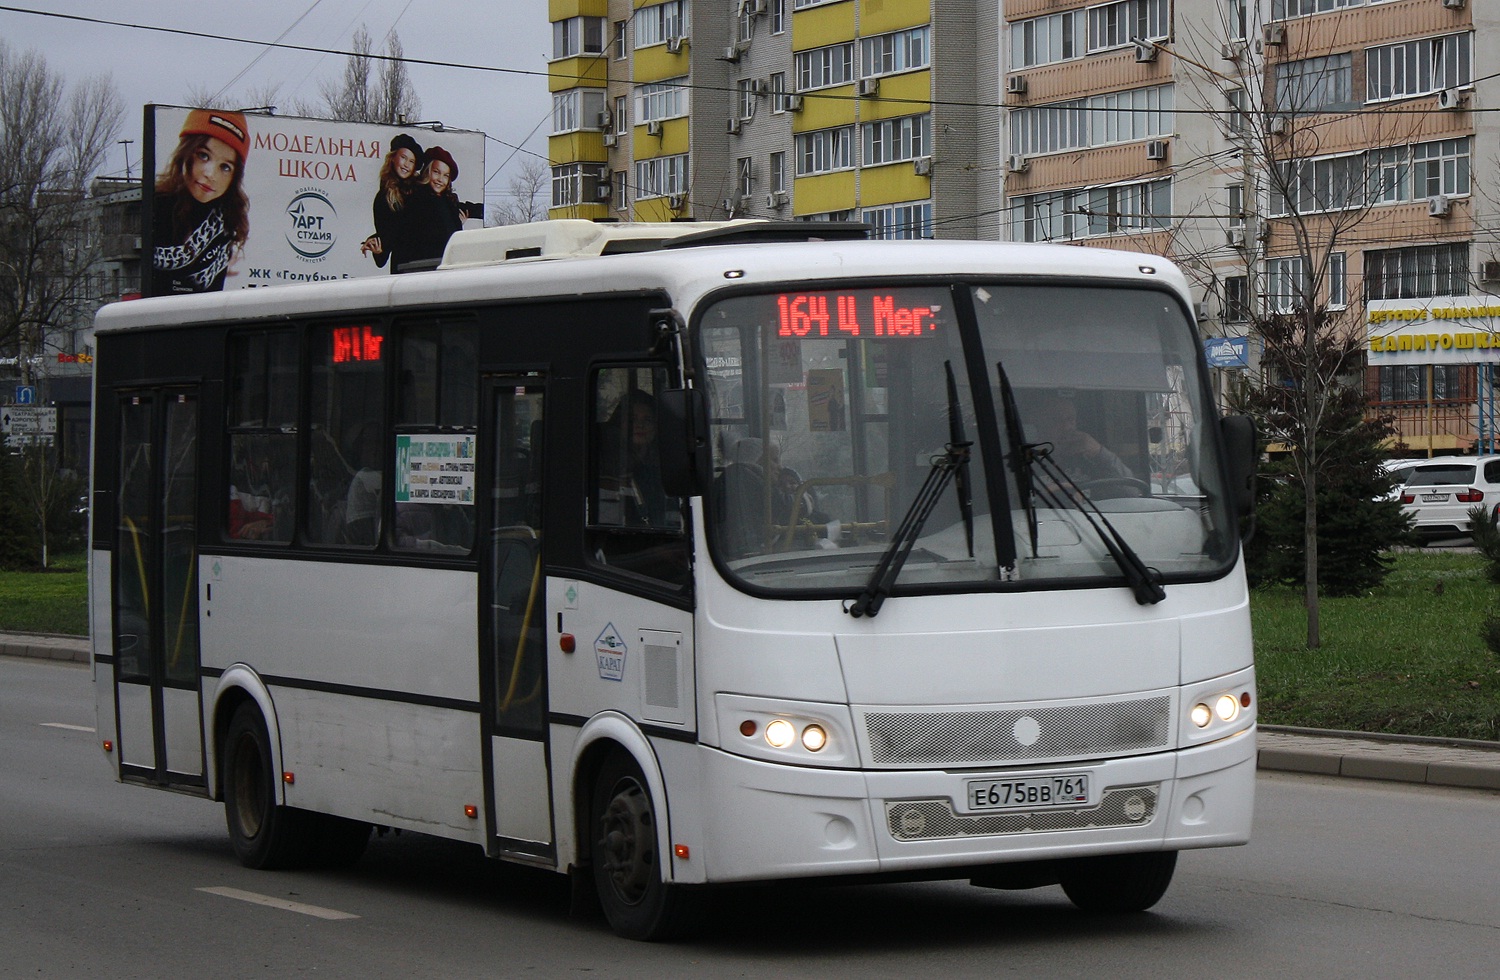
[(1440, 492)]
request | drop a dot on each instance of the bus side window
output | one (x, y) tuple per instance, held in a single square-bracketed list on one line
[(348, 440), (633, 523), (436, 435), (262, 437)]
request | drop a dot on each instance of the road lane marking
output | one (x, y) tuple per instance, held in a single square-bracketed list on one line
[(315, 911), (71, 728)]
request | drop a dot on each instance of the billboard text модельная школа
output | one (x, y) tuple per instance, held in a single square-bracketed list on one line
[(238, 199)]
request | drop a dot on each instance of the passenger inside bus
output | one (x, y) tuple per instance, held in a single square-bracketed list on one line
[(1080, 455), (632, 461), (362, 501), (761, 497)]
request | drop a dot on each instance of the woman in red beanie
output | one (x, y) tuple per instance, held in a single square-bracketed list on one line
[(201, 215)]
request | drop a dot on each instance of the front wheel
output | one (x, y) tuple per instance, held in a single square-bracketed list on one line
[(626, 857), (264, 834), (1118, 883)]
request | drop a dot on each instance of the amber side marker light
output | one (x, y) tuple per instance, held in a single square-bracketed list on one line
[(290, 778), (108, 745), (471, 811), (681, 850)]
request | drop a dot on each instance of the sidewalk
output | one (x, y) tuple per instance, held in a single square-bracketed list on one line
[(1404, 759)]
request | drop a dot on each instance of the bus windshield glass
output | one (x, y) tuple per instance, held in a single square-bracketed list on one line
[(1090, 431)]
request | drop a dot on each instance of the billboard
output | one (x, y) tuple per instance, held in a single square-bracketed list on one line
[(234, 199)]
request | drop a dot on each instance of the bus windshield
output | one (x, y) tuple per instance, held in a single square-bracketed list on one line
[(1074, 418)]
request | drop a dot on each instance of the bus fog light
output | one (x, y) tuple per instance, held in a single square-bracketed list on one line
[(814, 738), (780, 733), (1201, 715), (1226, 707)]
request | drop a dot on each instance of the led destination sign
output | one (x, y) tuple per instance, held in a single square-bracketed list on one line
[(867, 314)]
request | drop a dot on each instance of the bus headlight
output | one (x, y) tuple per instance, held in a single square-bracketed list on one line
[(1201, 715), (780, 733), (814, 738), (1226, 707)]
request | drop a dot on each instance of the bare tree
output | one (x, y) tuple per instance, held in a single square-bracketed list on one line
[(52, 141), (367, 92), (526, 195), (255, 97)]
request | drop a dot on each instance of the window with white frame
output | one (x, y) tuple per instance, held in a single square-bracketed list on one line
[(661, 100), (823, 67), (576, 36), (577, 108), (658, 22), (1092, 211), (1338, 280), (621, 190), (617, 42), (899, 221), (1046, 40), (744, 177), (1236, 299), (661, 176), (1323, 84), (576, 183), (1114, 117), (1396, 71), (1235, 202), (1290, 285), (1114, 25), (1417, 272), (1440, 167), (778, 16), (622, 114), (892, 140), (887, 54), (1389, 170), (744, 28), (825, 151), (777, 85), (744, 97), (1237, 115), (804, 4), (778, 171), (1284, 9), (1236, 19), (1309, 186)]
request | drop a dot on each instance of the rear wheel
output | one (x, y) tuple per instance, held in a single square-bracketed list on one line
[(1118, 882), (626, 857), (264, 834)]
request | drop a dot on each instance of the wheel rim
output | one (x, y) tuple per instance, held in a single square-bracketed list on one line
[(627, 841), (248, 780)]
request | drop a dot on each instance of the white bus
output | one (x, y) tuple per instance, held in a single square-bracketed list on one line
[(672, 556)]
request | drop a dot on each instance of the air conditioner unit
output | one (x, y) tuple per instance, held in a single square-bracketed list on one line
[(674, 43), (1156, 150), (734, 127), (729, 205), (1438, 206), (922, 166), (1278, 125), (867, 86), (757, 7), (1274, 34), (1232, 50), (653, 128), (1452, 98), (676, 201), (1015, 84), (793, 103), (1017, 164), (603, 192), (761, 86), (1145, 51), (776, 199), (1454, 4), (1200, 312), (606, 119), (610, 139), (1235, 237), (1489, 271), (731, 53)]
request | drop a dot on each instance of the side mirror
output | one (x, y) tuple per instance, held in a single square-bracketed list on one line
[(684, 448), (1237, 435)]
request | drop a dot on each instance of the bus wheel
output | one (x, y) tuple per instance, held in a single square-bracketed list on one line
[(1118, 882), (264, 834), (626, 860)]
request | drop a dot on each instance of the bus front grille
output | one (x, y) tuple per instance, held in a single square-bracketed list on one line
[(1070, 731), (913, 820)]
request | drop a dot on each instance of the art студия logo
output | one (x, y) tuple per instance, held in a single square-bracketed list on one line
[(311, 230)]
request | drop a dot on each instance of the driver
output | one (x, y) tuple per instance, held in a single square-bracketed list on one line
[(1079, 454)]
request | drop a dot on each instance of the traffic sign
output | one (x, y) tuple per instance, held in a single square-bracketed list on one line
[(25, 394), (28, 425)]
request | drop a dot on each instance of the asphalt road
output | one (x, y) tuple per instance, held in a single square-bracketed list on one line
[(1344, 878)]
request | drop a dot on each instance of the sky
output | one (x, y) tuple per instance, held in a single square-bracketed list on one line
[(147, 66)]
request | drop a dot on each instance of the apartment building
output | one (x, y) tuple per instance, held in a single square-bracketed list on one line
[(876, 110)]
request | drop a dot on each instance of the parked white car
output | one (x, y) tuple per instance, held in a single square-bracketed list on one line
[(1440, 492)]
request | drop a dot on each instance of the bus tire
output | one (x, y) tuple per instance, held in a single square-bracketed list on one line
[(626, 862), (265, 835), (1117, 883)]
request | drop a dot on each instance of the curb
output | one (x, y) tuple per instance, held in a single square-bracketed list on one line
[(46, 646)]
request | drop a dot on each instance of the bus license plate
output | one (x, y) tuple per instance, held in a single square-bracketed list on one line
[(1028, 792)]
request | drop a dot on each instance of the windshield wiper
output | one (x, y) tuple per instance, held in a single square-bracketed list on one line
[(950, 465), (1144, 581)]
